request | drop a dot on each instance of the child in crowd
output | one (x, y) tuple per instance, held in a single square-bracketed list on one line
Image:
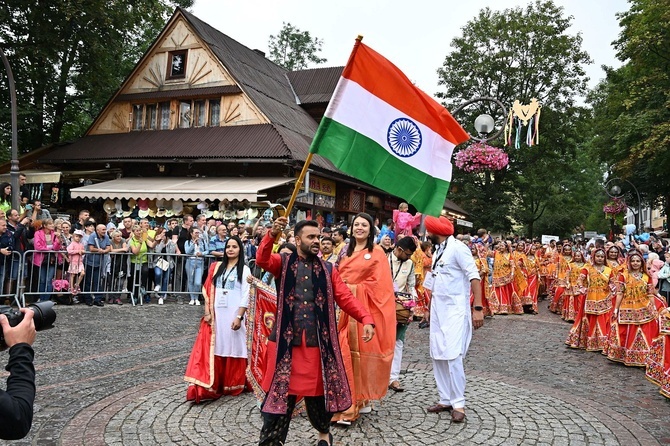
[(404, 222), (76, 251)]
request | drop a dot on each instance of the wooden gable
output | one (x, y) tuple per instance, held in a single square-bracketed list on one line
[(202, 76)]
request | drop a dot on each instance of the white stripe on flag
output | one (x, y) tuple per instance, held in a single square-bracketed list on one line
[(363, 112)]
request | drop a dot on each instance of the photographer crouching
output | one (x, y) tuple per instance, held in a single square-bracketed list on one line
[(16, 403)]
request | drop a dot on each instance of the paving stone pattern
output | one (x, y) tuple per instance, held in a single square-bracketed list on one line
[(113, 376)]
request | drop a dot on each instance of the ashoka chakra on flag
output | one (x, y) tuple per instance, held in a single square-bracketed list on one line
[(404, 137)]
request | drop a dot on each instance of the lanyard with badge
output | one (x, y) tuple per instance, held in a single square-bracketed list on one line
[(390, 256), (437, 260), (222, 298)]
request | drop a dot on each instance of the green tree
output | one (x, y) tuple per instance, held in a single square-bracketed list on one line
[(632, 106), (520, 53), (68, 57), (294, 49)]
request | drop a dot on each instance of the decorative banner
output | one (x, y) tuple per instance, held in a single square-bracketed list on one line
[(521, 115), (260, 320)]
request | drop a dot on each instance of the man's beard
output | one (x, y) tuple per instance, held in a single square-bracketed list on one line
[(433, 238), (307, 251)]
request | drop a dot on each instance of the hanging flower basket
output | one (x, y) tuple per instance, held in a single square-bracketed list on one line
[(615, 207), (480, 157)]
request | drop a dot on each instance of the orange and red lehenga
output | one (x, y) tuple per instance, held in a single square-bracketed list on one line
[(530, 294), (592, 322), (422, 297), (636, 325), (503, 287), (483, 268), (572, 298), (560, 284), (658, 360)]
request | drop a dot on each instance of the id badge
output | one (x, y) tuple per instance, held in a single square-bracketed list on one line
[(222, 299)]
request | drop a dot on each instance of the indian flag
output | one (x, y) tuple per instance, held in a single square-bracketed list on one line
[(383, 130)]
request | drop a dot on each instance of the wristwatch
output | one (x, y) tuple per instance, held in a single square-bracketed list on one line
[(239, 317), (478, 308)]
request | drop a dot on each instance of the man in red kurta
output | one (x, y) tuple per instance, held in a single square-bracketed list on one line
[(304, 339)]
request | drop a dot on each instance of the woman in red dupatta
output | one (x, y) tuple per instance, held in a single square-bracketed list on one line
[(218, 362), (366, 271)]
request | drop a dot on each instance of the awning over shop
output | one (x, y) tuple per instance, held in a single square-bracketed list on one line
[(35, 176), (248, 188)]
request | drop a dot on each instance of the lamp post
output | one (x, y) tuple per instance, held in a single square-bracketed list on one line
[(615, 192), (14, 170), (484, 123)]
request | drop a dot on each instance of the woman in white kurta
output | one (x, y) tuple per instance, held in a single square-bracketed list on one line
[(221, 343), (451, 318)]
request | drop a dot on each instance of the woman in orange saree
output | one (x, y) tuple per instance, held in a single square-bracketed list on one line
[(479, 254), (572, 298), (530, 295), (503, 276), (520, 272), (592, 323), (635, 317), (561, 282), (366, 271)]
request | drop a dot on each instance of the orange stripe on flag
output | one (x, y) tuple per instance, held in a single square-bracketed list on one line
[(380, 77)]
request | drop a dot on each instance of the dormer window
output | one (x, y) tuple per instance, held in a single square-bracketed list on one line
[(176, 68)]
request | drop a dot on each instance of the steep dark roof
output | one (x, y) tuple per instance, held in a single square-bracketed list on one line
[(266, 84), (315, 85), (240, 141)]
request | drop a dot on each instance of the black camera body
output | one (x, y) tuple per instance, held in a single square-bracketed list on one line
[(44, 317)]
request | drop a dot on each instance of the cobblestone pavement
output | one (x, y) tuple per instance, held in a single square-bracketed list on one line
[(113, 375)]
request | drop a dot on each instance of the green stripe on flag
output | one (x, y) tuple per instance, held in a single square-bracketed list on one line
[(364, 159)]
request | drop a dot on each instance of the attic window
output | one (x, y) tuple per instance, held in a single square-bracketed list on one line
[(176, 68)]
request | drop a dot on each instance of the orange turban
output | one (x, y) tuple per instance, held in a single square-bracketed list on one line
[(439, 226)]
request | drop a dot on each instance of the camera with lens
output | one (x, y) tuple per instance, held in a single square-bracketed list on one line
[(44, 317)]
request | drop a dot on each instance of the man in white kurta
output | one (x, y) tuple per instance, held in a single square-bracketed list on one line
[(452, 319)]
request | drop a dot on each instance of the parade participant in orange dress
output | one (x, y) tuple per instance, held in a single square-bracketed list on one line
[(479, 255), (615, 262), (503, 276), (531, 267), (592, 323), (303, 353), (635, 317), (423, 300), (572, 299), (550, 261), (520, 271), (561, 282), (366, 271), (658, 361), (218, 362)]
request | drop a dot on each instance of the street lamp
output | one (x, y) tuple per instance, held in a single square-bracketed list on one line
[(14, 169), (484, 123), (615, 192)]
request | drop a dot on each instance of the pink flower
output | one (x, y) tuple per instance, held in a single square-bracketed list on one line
[(480, 157)]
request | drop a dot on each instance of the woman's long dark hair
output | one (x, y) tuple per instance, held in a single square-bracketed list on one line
[(224, 261), (371, 236), (5, 198)]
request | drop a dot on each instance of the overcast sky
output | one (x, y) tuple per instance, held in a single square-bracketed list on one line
[(414, 35)]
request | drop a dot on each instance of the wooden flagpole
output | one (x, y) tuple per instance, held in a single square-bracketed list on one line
[(301, 178), (298, 185)]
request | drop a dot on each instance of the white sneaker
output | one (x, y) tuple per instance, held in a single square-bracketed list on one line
[(160, 301), (366, 409), (344, 422), (157, 288), (192, 302), (197, 302)]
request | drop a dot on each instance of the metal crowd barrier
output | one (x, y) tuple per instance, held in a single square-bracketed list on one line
[(43, 275)]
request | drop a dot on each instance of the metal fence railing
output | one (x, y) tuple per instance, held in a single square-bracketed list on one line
[(112, 278)]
